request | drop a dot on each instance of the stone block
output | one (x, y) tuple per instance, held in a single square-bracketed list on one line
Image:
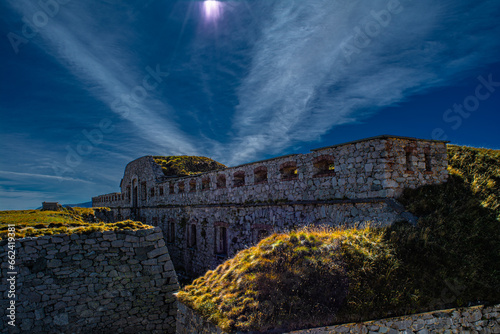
[(157, 252)]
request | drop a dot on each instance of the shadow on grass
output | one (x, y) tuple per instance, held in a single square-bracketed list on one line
[(453, 255)]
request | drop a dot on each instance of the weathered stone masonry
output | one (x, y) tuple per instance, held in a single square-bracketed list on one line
[(211, 216), (104, 282), (477, 319)]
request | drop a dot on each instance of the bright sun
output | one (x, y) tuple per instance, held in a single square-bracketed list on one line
[(212, 9)]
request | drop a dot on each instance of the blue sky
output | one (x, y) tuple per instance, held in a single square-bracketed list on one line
[(88, 86)]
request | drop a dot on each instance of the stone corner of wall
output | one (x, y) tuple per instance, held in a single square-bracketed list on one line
[(103, 281)]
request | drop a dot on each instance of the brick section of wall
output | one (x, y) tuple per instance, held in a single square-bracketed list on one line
[(104, 282), (477, 319)]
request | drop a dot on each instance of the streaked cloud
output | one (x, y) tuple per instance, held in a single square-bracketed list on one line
[(301, 85), (108, 69), (43, 176)]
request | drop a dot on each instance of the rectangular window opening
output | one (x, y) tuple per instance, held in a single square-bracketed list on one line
[(239, 179), (205, 184), (192, 186), (221, 181), (260, 175)]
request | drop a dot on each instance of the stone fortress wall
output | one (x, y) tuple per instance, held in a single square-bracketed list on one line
[(104, 282), (211, 216)]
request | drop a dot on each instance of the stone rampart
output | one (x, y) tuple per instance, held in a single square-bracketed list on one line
[(379, 167), (104, 282)]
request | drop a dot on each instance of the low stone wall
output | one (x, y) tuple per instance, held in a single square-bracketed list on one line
[(104, 282), (477, 319)]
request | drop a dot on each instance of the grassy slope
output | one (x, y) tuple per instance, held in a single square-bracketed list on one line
[(313, 277), (453, 257), (298, 278), (31, 223), (186, 165)]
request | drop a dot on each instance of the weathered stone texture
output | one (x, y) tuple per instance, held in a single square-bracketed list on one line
[(373, 168), (472, 320), (83, 283)]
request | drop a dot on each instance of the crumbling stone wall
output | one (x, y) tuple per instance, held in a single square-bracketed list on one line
[(104, 282), (477, 319)]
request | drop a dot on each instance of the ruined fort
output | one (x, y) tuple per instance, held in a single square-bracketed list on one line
[(209, 217)]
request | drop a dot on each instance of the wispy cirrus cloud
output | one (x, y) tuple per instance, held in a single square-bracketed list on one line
[(109, 70), (32, 176), (302, 82)]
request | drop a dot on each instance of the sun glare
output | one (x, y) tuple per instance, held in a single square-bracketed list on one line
[(212, 9)]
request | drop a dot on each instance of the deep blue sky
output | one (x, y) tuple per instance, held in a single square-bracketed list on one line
[(88, 86)]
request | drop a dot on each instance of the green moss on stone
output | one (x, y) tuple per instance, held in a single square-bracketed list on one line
[(186, 165)]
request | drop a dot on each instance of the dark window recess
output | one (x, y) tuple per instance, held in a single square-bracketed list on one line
[(409, 160), (288, 171), (155, 221), (181, 187), (260, 175), (152, 192), (171, 188), (171, 232), (128, 192), (221, 181), (192, 186), (221, 240), (144, 191), (239, 179), (324, 165), (192, 236), (205, 184), (161, 191), (428, 165)]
